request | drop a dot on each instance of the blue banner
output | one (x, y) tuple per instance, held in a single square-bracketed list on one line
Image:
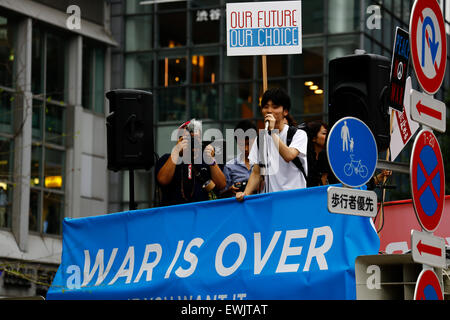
[(282, 245)]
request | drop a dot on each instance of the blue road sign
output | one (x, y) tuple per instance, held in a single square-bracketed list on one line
[(352, 152)]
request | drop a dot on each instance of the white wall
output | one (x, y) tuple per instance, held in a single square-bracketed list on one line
[(93, 186)]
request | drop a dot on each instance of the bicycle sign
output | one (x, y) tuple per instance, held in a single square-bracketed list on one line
[(352, 152), (355, 167)]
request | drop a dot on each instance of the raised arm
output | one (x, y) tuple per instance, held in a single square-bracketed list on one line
[(165, 174)]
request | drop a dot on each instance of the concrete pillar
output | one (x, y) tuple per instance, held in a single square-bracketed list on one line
[(23, 113), (340, 20), (74, 119)]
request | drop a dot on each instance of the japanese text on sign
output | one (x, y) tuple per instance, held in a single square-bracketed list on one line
[(352, 202), (405, 131)]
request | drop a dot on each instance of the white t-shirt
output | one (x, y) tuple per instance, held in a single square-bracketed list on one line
[(282, 175)]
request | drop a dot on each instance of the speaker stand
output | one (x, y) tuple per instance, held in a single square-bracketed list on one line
[(133, 205)]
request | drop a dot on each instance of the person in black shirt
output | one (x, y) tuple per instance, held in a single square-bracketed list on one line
[(318, 167), (192, 180)]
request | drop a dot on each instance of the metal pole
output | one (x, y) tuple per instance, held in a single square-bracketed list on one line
[(132, 205)]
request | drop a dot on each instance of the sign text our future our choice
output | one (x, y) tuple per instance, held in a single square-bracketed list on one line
[(263, 28)]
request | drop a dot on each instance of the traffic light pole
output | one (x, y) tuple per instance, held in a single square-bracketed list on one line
[(132, 205)]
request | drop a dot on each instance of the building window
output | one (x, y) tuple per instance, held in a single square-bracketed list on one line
[(172, 27), (311, 59), (238, 101), (93, 77), (134, 6), (172, 96), (6, 168), (6, 156), (139, 33), (6, 53), (205, 102), (312, 16), (7, 101), (138, 70), (55, 75), (276, 66), (6, 111), (342, 45), (205, 68), (48, 74), (48, 132), (206, 25), (172, 71), (47, 168), (172, 104), (238, 68), (307, 103)]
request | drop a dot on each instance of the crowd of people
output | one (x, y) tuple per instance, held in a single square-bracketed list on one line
[(284, 156)]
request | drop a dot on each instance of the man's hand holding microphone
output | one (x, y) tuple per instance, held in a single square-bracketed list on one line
[(269, 124)]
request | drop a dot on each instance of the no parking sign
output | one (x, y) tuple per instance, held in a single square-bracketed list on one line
[(427, 180), (428, 287)]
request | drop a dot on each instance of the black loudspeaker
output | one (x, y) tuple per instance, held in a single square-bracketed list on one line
[(358, 87), (129, 128)]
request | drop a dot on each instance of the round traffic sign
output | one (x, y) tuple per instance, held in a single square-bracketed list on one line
[(427, 180), (352, 152), (428, 44), (428, 287)]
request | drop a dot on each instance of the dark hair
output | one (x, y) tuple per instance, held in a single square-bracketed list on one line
[(313, 128), (291, 120), (281, 98), (278, 97), (245, 125)]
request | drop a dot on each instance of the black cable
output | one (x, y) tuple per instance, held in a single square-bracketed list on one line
[(382, 204)]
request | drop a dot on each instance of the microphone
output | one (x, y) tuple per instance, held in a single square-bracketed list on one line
[(267, 125)]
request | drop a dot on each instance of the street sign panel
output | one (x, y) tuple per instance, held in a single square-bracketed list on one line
[(352, 201), (428, 249), (264, 28), (428, 287), (403, 127), (428, 44), (428, 111), (352, 152), (399, 69), (427, 180)]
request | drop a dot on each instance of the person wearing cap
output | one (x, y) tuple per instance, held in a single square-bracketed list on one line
[(275, 163), (187, 174)]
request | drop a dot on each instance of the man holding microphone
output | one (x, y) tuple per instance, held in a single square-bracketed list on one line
[(274, 165)]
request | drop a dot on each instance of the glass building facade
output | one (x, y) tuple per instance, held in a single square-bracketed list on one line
[(177, 50), (52, 132)]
